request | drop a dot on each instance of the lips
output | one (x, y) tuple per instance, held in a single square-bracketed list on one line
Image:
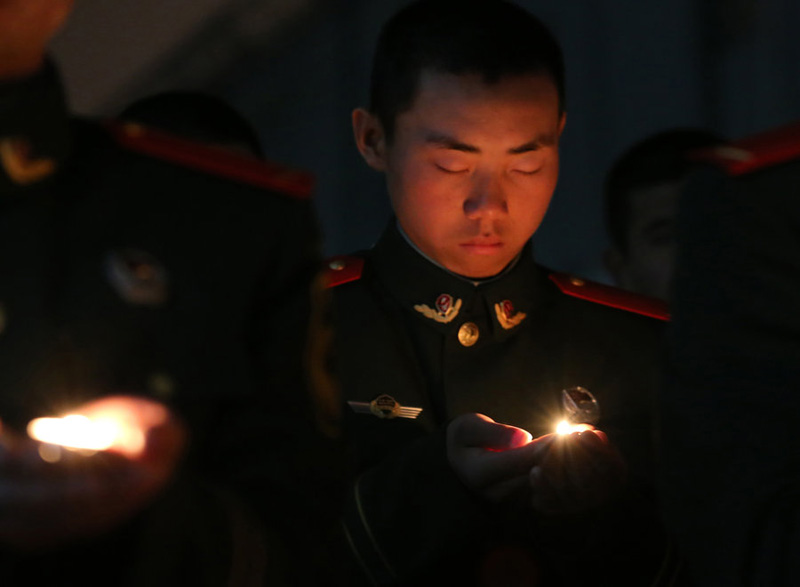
[(483, 246)]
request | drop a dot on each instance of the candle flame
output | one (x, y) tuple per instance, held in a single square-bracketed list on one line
[(564, 427)]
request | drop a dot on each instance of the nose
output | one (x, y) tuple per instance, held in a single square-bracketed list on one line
[(486, 200)]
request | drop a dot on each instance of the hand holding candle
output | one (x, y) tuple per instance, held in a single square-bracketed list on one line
[(492, 459), (580, 470), (44, 504)]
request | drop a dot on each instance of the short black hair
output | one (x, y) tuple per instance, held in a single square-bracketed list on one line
[(491, 38), (196, 116), (660, 158)]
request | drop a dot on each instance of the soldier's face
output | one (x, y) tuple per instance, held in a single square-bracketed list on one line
[(472, 167), (647, 265)]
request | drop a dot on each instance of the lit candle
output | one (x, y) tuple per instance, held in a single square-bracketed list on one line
[(565, 427)]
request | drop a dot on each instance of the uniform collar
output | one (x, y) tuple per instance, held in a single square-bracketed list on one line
[(417, 283)]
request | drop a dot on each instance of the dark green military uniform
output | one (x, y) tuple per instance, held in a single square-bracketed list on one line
[(136, 263), (418, 346), (731, 454)]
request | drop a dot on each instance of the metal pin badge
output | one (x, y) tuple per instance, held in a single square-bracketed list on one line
[(445, 309), (580, 406), (385, 407)]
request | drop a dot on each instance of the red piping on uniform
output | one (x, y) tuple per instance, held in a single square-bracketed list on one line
[(350, 270), (611, 296), (756, 152), (216, 161)]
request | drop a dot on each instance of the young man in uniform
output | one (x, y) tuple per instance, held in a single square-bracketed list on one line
[(169, 282), (458, 354)]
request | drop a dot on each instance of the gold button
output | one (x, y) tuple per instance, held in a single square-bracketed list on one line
[(337, 265), (577, 281), (161, 385), (468, 334)]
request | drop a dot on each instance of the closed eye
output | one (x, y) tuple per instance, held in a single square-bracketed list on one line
[(452, 168), (527, 169)]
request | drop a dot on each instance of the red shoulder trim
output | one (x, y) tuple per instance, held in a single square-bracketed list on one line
[(610, 296), (271, 176), (755, 152), (342, 269)]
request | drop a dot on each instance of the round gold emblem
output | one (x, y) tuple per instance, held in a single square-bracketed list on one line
[(468, 334)]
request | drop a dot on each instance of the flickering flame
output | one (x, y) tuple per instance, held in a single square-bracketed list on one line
[(101, 432), (564, 427)]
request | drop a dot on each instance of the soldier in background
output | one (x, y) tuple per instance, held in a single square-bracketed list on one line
[(640, 201), (730, 449), (150, 275), (198, 116)]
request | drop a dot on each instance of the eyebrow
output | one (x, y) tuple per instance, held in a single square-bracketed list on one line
[(444, 141)]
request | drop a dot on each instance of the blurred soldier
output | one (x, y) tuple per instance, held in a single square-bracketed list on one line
[(731, 455), (455, 348), (169, 284), (641, 194)]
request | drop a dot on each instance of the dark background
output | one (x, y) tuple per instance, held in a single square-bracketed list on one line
[(296, 68)]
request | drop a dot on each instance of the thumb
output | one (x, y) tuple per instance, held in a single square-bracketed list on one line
[(480, 431)]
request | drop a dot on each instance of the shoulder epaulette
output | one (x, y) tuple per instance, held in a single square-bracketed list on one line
[(610, 296), (342, 269), (755, 152), (216, 161)]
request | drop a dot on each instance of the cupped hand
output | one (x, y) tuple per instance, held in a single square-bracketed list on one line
[(578, 472), (46, 504), (491, 459)]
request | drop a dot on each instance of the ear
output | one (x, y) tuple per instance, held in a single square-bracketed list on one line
[(562, 123), (370, 138)]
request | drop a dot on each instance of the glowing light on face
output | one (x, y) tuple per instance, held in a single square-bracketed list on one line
[(101, 432), (564, 427)]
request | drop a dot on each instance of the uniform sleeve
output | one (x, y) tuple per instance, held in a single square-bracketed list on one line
[(410, 516), (273, 454)]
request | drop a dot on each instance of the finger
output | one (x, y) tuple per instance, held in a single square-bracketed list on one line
[(478, 430)]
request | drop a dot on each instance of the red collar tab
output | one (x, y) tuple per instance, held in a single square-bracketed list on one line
[(216, 161), (610, 296), (342, 269), (756, 152)]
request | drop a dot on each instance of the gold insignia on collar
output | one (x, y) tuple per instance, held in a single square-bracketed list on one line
[(506, 315), (385, 407), (19, 166), (445, 310)]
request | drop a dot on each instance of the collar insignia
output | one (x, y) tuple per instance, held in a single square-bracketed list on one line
[(445, 310), (385, 407), (506, 316), (19, 166)]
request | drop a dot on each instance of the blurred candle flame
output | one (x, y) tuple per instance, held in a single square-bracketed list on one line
[(76, 431)]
